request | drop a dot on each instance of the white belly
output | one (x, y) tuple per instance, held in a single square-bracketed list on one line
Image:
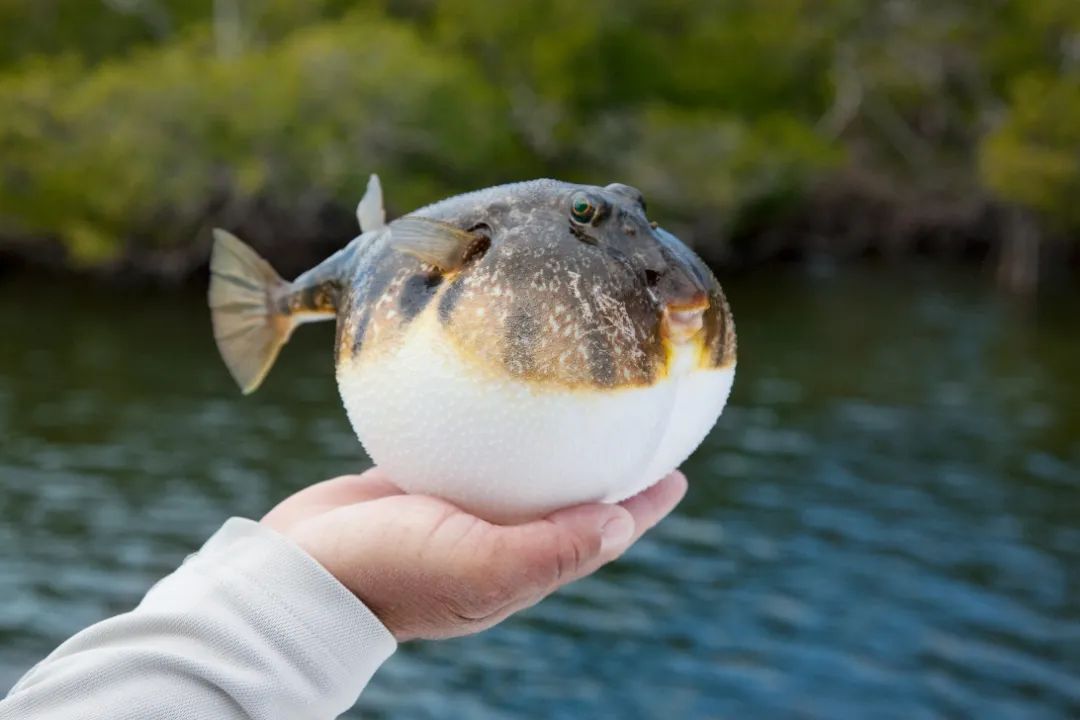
[(508, 450)]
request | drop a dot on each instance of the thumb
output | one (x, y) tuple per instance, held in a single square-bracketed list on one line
[(571, 543)]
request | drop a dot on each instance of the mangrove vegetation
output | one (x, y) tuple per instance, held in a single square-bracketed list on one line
[(756, 129)]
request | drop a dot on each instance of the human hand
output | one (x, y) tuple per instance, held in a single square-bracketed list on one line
[(428, 569)]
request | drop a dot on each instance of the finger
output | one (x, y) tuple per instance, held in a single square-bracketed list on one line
[(337, 492), (565, 545), (653, 504), (643, 511)]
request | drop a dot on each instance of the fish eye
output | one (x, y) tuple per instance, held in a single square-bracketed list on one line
[(582, 208)]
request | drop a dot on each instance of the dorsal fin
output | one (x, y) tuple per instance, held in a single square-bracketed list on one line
[(370, 211), (432, 241)]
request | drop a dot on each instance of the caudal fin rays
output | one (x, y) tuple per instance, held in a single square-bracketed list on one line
[(247, 327)]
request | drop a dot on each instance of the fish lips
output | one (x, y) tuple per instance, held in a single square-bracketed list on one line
[(682, 290), (682, 322)]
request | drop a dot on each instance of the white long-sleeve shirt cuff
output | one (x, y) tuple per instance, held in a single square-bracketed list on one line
[(249, 627)]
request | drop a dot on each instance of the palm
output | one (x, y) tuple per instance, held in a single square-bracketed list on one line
[(429, 569)]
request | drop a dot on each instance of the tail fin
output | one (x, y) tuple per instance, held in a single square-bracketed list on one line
[(248, 328)]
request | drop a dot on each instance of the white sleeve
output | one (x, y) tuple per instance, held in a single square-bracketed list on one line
[(249, 627)]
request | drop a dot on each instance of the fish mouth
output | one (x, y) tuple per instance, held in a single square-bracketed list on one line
[(682, 322)]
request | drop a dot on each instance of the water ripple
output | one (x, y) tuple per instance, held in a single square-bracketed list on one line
[(885, 523)]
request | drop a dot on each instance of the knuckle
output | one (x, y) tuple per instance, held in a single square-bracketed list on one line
[(570, 553)]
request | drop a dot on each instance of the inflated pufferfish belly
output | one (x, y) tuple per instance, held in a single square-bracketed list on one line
[(507, 449), (522, 348)]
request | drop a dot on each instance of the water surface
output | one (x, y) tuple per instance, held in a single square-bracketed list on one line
[(885, 522)]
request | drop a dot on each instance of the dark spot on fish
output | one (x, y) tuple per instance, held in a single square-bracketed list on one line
[(371, 284), (318, 298), (359, 330), (450, 299), (725, 346), (416, 293), (522, 333), (479, 246), (380, 278), (321, 298)]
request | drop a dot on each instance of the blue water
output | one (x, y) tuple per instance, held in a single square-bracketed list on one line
[(885, 523)]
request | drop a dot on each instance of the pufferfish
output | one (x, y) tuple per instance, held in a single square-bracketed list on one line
[(513, 350)]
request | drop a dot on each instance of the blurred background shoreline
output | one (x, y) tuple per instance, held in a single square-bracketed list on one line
[(789, 130)]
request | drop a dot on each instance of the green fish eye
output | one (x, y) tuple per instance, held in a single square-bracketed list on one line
[(582, 209)]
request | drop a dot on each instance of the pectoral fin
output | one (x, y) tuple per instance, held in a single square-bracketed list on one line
[(433, 241), (370, 211)]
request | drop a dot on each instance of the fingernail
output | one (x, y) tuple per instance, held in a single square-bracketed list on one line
[(616, 532)]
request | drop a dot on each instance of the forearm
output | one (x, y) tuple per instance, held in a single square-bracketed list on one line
[(249, 627)]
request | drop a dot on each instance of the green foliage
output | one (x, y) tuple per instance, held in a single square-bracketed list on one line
[(1033, 159), (147, 148), (703, 168), (131, 125)]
